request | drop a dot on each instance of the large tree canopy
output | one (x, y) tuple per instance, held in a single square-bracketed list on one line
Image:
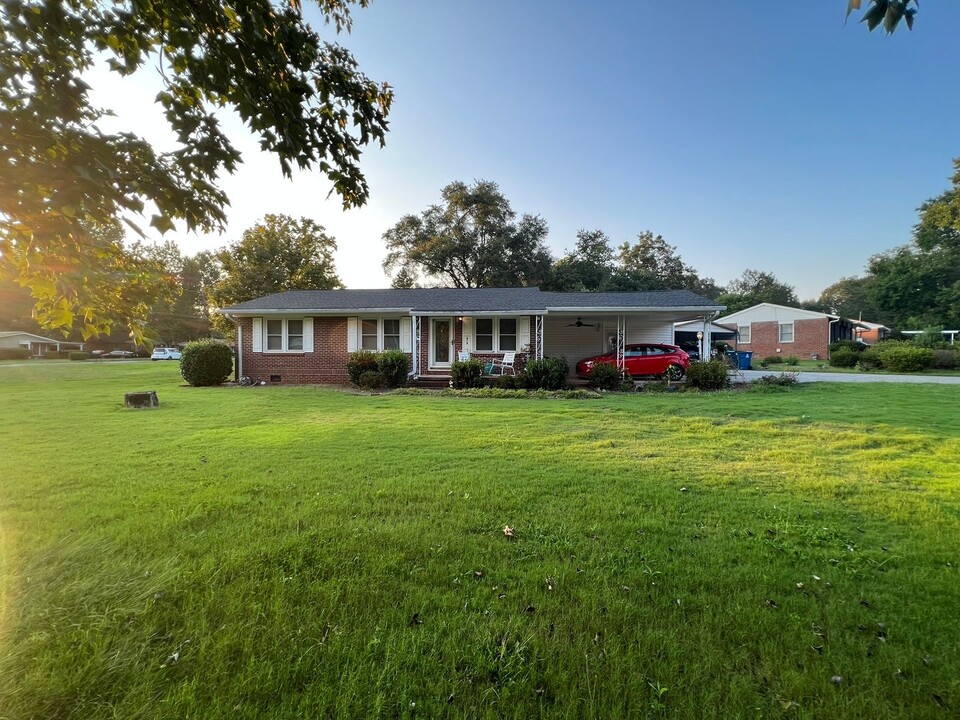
[(651, 263), (754, 287), (472, 239), (305, 98), (277, 254)]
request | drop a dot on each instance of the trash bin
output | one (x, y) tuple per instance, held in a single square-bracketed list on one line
[(743, 359)]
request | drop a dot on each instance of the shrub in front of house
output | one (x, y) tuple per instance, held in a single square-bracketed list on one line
[(605, 376), (773, 359), (904, 358), (844, 357), (77, 355), (547, 374), (206, 362), (360, 362), (394, 366), (784, 380), (870, 359), (509, 382), (791, 360), (710, 375), (466, 374), (372, 380), (847, 345), (945, 359), (14, 353)]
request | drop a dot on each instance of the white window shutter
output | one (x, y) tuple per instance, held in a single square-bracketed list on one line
[(468, 334), (523, 329), (406, 334), (257, 335), (308, 335), (352, 329)]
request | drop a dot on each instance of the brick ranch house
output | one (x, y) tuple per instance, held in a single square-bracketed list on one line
[(767, 329), (306, 336)]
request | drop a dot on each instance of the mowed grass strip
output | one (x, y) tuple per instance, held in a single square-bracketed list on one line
[(304, 552)]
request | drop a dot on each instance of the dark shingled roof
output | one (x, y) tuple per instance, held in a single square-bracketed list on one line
[(659, 299), (472, 300)]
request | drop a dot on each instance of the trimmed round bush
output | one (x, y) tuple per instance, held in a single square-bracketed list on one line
[(903, 358), (605, 376), (870, 359), (945, 359), (466, 374), (206, 362), (791, 360), (77, 355), (547, 374), (773, 359), (360, 362), (394, 366), (844, 357), (373, 380), (708, 375)]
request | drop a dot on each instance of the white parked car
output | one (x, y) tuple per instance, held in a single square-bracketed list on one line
[(165, 354)]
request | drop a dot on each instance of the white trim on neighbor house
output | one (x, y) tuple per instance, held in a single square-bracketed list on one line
[(766, 312), (780, 333), (744, 333)]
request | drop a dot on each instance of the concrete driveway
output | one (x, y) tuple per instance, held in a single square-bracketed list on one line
[(806, 377)]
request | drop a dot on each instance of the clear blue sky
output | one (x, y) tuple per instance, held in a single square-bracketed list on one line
[(765, 135)]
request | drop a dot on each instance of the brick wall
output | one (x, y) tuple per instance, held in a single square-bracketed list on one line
[(328, 361), (326, 364), (810, 337)]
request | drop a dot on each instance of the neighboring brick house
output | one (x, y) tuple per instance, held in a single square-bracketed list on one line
[(306, 336), (870, 333), (767, 329)]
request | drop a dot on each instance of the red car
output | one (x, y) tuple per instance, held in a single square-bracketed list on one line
[(667, 361)]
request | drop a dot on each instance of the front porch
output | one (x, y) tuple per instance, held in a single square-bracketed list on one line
[(439, 340)]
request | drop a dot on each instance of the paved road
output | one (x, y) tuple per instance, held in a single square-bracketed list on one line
[(854, 377)]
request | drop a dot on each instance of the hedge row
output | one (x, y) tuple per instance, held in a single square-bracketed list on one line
[(546, 374)]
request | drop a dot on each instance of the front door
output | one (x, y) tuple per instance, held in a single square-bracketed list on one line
[(441, 342)]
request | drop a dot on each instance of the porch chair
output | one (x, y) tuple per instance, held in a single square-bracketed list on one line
[(499, 368)]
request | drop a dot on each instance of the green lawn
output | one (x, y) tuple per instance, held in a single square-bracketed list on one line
[(300, 552)]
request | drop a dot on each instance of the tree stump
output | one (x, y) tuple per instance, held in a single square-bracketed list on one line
[(143, 399)]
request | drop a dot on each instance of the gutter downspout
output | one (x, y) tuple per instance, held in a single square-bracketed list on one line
[(829, 334), (239, 371)]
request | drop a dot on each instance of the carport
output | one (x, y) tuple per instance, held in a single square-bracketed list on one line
[(579, 325)]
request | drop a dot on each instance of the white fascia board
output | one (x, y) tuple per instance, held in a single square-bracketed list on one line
[(476, 313), (634, 309), (16, 333), (247, 312)]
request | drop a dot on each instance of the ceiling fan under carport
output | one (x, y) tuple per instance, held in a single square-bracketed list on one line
[(579, 323)]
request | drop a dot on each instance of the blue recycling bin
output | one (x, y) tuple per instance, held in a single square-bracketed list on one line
[(743, 359)]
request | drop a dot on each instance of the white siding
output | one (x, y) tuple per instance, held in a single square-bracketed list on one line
[(768, 312), (559, 338)]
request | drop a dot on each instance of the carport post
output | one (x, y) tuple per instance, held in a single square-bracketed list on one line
[(621, 333), (539, 334)]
